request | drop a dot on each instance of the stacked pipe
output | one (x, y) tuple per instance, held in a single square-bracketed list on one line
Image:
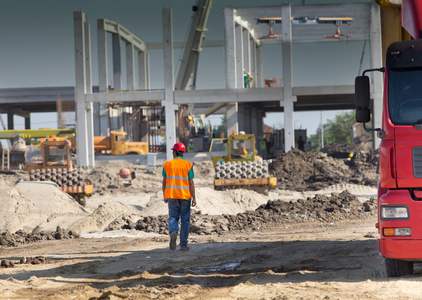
[(238, 170), (62, 177)]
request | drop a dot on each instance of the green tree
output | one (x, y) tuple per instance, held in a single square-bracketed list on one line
[(222, 127), (340, 129), (335, 131)]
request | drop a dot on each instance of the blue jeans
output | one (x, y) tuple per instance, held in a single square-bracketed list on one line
[(179, 209)]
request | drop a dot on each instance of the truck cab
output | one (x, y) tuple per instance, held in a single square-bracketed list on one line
[(120, 145), (400, 160)]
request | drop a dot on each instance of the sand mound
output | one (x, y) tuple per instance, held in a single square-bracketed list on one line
[(211, 202), (42, 206), (17, 212), (100, 219), (49, 199)]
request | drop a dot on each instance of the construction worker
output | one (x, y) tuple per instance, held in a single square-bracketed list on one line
[(191, 121), (179, 194), (250, 78), (301, 144), (245, 79), (263, 148), (241, 150), (190, 146)]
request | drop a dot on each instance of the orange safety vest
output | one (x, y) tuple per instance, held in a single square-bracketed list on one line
[(177, 181)]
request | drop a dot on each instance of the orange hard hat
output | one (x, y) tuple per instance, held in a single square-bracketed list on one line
[(179, 147)]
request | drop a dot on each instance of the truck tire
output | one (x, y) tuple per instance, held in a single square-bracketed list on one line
[(80, 198), (398, 267)]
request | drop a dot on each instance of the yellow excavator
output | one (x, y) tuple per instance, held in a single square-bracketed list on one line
[(236, 164)]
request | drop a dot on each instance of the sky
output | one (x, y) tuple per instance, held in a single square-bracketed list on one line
[(37, 48)]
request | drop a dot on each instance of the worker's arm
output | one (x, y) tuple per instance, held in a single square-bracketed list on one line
[(192, 191), (164, 188)]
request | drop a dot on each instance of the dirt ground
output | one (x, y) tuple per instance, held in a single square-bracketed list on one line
[(311, 237)]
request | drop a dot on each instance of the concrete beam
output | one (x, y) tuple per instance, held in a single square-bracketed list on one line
[(131, 96), (323, 90), (126, 35), (205, 44), (227, 96)]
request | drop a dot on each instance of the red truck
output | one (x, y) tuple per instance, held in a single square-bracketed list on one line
[(400, 161)]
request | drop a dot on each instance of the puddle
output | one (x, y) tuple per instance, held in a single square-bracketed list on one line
[(210, 269), (215, 269)]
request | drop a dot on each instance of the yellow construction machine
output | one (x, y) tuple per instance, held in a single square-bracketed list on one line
[(237, 165), (51, 161), (32, 136), (116, 144)]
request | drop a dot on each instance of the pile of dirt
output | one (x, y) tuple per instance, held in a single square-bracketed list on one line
[(321, 208), (21, 237), (314, 170), (5, 263), (363, 144)]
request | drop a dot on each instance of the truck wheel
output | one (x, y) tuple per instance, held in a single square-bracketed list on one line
[(80, 199), (398, 267)]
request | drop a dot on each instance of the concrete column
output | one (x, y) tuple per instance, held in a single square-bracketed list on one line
[(246, 118), (28, 122), (143, 130), (260, 124), (254, 122), (259, 76), (117, 78), (229, 33), (130, 66), (232, 118), (143, 70), (169, 82), (97, 120), (239, 56), (241, 114), (252, 47), (101, 115), (377, 77), (288, 98), (231, 67), (246, 50), (80, 89), (88, 89), (117, 63), (10, 121)]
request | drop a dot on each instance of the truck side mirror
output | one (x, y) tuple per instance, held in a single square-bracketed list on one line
[(363, 115), (362, 92)]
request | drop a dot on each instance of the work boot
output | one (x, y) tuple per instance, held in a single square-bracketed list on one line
[(173, 238), (184, 247)]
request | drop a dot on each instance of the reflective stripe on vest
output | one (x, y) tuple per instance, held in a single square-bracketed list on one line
[(177, 181)]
